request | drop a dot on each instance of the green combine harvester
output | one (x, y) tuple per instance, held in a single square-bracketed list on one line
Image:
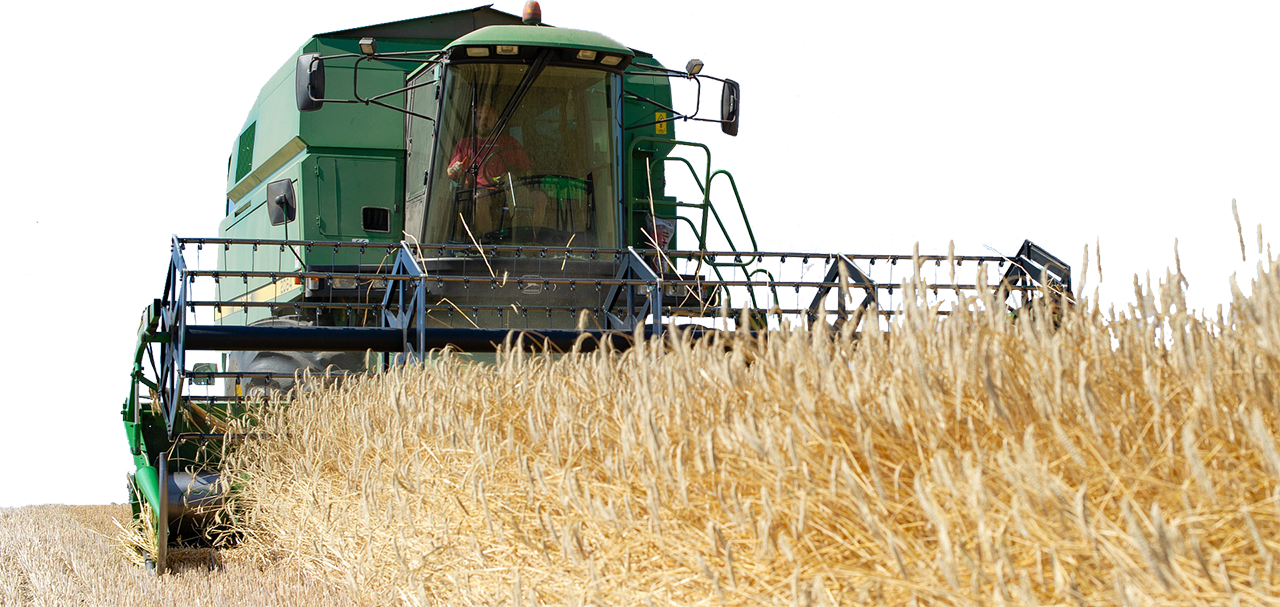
[(454, 180)]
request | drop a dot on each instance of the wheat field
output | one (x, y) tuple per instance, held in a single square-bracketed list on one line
[(1064, 457), (56, 556), (1071, 456)]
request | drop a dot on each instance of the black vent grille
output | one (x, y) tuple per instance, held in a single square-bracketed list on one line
[(376, 219)]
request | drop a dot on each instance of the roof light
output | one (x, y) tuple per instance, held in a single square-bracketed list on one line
[(508, 49), (532, 13), (368, 46), (586, 55), (477, 51), (611, 60), (693, 67)]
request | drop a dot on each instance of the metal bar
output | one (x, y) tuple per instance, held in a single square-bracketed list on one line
[(506, 307), (680, 282), (631, 127), (389, 246), (306, 305), (212, 399), (284, 339), (742, 209), (378, 339), (419, 311), (274, 274), (644, 99), (174, 356), (254, 374), (213, 436), (498, 249)]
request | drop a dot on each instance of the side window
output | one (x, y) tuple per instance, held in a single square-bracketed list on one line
[(419, 137), (244, 152)]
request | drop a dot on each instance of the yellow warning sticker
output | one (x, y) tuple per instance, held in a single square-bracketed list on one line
[(661, 127)]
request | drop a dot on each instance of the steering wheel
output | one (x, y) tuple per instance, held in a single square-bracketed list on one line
[(539, 179)]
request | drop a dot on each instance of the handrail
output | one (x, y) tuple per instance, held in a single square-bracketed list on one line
[(521, 250), (630, 167), (287, 242), (741, 208), (707, 208)]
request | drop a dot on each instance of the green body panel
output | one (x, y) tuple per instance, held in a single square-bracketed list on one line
[(551, 37), (351, 125), (339, 187), (290, 145), (653, 180), (146, 482)]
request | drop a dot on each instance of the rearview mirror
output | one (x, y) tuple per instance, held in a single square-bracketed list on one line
[(730, 103), (281, 202), (309, 82)]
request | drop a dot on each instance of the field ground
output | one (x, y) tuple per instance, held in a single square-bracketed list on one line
[(70, 555)]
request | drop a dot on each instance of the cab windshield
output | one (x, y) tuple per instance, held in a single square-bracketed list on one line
[(524, 159)]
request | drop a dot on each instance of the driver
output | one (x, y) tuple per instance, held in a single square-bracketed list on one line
[(502, 156)]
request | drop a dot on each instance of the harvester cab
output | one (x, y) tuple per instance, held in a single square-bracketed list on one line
[(450, 181)]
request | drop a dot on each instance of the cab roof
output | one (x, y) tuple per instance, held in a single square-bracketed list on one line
[(445, 25), (542, 36)]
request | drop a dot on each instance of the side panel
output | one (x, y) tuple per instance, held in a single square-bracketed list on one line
[(276, 126), (646, 166), (338, 189), (355, 125), (636, 112)]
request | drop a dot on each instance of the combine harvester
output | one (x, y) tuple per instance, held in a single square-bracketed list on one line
[(449, 181)]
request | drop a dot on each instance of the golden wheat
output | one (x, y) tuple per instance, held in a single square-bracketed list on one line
[(1070, 457), (59, 555)]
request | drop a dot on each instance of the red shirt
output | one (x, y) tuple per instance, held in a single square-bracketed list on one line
[(505, 154)]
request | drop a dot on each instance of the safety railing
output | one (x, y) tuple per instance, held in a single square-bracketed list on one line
[(432, 296)]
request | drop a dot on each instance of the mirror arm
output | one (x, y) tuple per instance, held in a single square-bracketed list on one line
[(355, 81), (671, 119), (650, 101), (661, 71), (281, 199), (339, 56), (681, 118), (376, 99), (674, 73), (400, 56)]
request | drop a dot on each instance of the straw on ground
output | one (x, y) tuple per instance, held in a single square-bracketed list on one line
[(59, 555)]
